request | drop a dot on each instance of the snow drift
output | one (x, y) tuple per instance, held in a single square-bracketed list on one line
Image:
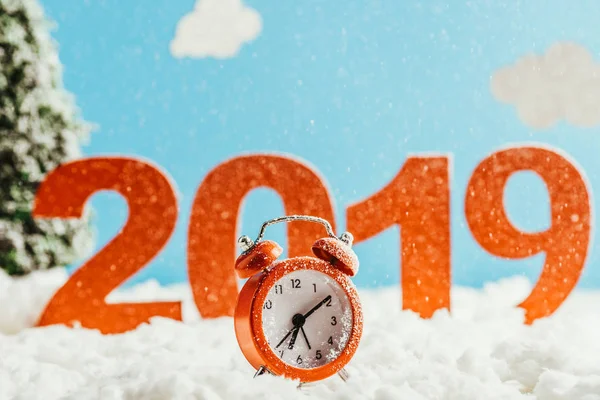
[(479, 351)]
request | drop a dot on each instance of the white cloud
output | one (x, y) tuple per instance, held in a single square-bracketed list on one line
[(563, 83), (215, 28)]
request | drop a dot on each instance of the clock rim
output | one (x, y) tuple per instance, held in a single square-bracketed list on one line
[(248, 319)]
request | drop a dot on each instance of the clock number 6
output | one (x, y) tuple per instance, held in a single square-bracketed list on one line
[(565, 242)]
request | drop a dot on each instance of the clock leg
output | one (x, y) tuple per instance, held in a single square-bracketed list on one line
[(342, 373), (261, 371), (302, 385)]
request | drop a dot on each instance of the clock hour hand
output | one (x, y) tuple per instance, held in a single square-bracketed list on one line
[(293, 339), (315, 308), (297, 321), (285, 337)]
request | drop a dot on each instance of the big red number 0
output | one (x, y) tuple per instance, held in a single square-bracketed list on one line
[(215, 215)]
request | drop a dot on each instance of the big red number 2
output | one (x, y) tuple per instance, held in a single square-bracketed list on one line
[(152, 217)]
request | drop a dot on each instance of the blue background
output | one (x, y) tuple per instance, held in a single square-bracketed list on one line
[(351, 87)]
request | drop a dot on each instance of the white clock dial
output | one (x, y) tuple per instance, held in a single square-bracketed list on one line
[(307, 319)]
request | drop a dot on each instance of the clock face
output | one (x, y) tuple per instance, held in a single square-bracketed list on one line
[(307, 319)]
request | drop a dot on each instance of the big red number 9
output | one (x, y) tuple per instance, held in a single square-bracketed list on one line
[(565, 242)]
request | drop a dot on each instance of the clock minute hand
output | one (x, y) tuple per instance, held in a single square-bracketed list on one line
[(315, 308), (305, 338)]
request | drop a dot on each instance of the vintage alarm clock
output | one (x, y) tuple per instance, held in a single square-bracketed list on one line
[(300, 317)]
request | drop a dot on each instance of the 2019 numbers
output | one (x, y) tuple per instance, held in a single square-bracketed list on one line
[(417, 199)]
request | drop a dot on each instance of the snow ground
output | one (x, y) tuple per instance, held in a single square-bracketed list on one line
[(482, 351)]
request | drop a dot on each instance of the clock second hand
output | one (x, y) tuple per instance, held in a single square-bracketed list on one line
[(285, 337)]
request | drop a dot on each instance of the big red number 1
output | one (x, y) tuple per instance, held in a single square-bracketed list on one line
[(418, 200)]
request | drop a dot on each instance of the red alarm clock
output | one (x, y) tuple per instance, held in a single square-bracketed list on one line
[(301, 317)]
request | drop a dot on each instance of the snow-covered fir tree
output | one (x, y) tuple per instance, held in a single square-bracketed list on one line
[(40, 128)]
